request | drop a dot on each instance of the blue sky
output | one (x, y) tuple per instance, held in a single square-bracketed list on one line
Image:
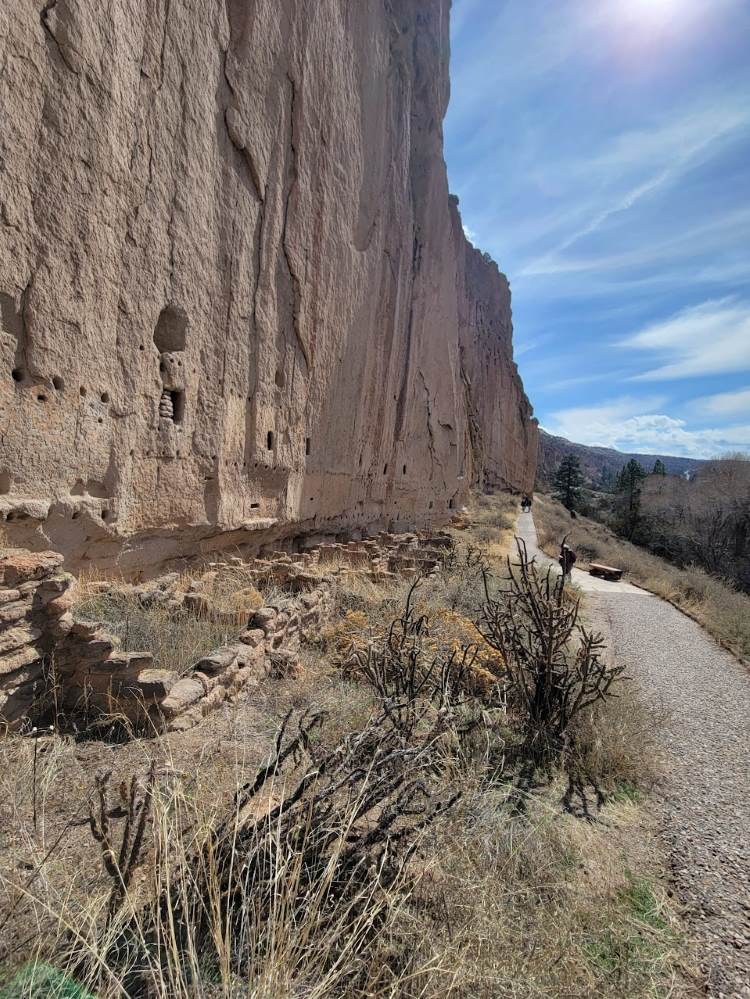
[(600, 150)]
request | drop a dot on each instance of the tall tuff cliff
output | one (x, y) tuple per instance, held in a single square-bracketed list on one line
[(237, 303)]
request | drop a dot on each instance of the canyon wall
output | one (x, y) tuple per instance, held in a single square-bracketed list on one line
[(236, 302)]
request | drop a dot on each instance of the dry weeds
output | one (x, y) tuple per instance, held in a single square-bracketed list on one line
[(491, 903)]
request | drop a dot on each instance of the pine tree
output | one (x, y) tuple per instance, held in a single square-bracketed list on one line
[(569, 483), (659, 468), (629, 499), (606, 480)]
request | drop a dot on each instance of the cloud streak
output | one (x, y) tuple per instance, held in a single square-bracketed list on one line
[(724, 404), (711, 338)]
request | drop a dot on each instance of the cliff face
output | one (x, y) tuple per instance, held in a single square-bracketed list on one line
[(236, 301)]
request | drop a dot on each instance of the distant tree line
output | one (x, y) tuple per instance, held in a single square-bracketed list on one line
[(701, 520)]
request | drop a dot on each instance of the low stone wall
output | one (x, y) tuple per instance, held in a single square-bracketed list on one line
[(54, 666), (51, 664)]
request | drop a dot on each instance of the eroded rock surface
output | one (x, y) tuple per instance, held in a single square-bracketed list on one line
[(235, 297)]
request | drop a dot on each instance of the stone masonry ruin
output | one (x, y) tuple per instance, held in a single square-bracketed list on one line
[(56, 667), (238, 315)]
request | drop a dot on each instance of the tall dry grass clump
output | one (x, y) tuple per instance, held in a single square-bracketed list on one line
[(291, 890)]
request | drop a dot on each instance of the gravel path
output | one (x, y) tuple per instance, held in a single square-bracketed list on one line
[(705, 798)]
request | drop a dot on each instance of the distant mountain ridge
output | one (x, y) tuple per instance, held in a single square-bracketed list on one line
[(594, 460)]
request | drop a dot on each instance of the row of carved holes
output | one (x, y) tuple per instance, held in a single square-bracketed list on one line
[(270, 441)]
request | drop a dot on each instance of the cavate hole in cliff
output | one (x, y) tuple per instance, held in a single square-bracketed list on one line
[(307, 445), (279, 379), (172, 405), (12, 324), (269, 440), (171, 330), (58, 383)]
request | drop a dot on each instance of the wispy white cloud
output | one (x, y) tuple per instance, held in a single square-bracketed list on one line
[(633, 425), (635, 165), (711, 338), (724, 404), (593, 424), (695, 243)]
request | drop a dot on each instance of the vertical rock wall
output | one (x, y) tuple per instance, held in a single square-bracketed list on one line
[(236, 303)]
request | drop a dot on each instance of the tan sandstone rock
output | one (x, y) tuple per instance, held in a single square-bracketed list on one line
[(236, 302)]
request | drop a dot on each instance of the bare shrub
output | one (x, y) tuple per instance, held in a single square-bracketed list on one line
[(287, 890), (553, 665)]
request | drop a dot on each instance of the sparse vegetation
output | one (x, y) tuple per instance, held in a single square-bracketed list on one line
[(720, 608), (356, 831), (176, 639)]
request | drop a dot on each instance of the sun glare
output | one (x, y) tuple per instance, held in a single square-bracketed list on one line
[(655, 12)]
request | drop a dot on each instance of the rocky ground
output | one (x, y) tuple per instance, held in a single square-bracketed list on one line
[(703, 802)]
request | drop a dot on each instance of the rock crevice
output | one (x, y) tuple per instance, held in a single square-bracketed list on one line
[(285, 190)]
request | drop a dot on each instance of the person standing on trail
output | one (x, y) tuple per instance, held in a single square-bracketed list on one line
[(567, 559)]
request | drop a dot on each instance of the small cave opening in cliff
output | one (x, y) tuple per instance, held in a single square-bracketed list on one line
[(178, 405), (269, 440), (11, 323), (170, 334), (308, 445), (172, 405)]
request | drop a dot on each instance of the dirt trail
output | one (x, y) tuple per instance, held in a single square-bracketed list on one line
[(705, 799)]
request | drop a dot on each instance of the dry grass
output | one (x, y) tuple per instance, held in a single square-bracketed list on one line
[(722, 610), (544, 906), (491, 904), (176, 639), (491, 523)]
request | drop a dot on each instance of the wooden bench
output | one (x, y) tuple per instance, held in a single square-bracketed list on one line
[(605, 572)]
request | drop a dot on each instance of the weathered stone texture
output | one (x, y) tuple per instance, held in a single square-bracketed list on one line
[(234, 295)]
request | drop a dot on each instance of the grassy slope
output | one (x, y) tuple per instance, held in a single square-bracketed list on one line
[(722, 610), (497, 904)]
